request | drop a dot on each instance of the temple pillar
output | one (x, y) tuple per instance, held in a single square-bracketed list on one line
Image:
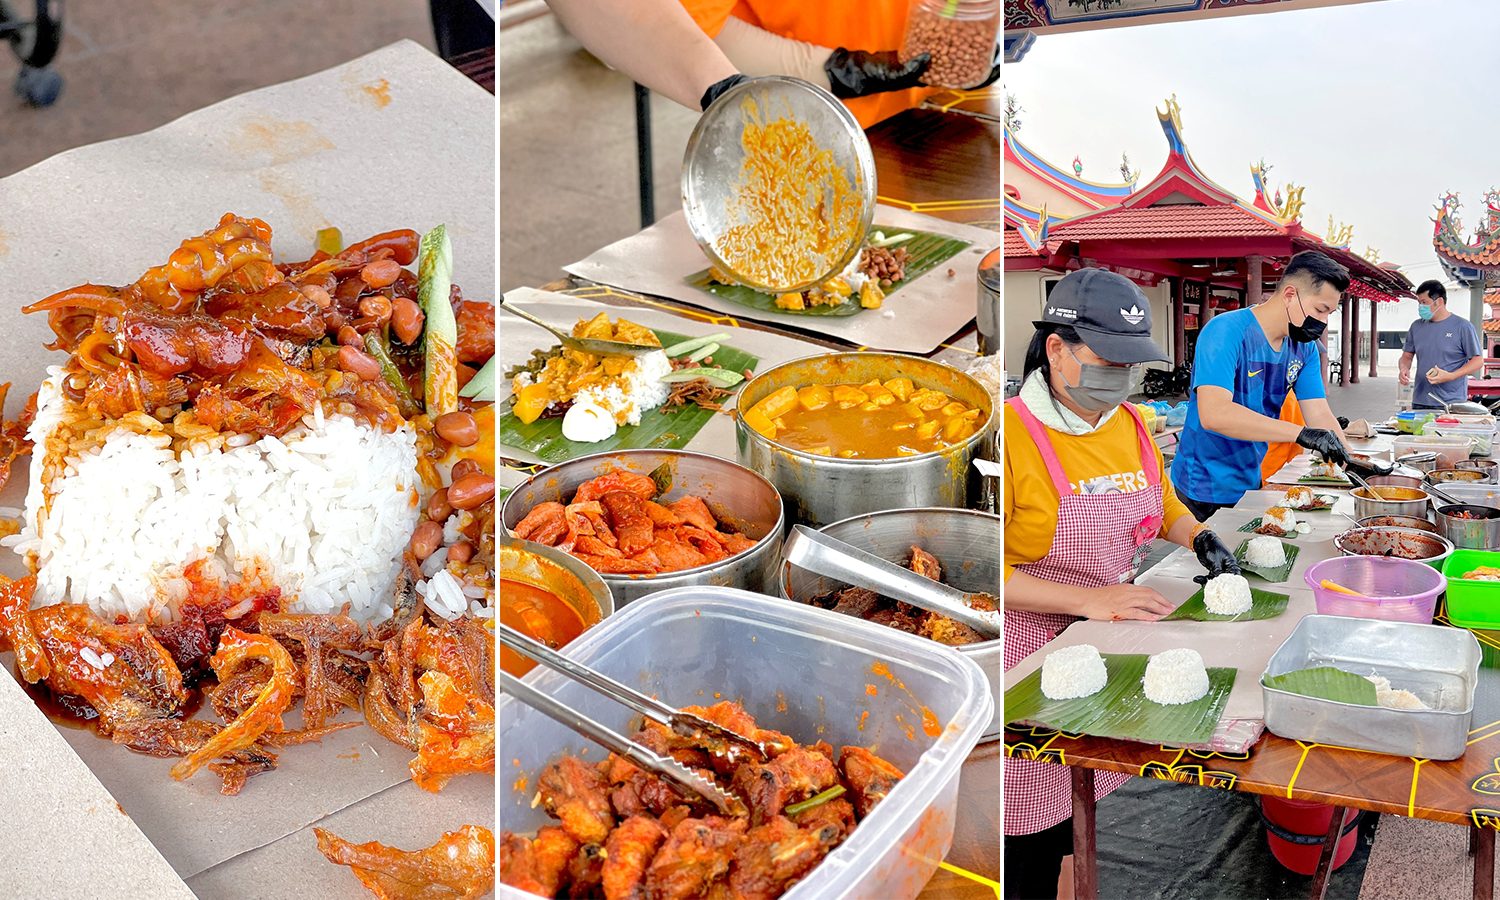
[(1179, 330), (1374, 337), (1476, 302), (1254, 285), (1346, 339)]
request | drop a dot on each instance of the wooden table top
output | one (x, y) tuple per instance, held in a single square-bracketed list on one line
[(942, 164)]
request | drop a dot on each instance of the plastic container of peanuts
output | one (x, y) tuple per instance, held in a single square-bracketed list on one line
[(959, 35), (809, 673)]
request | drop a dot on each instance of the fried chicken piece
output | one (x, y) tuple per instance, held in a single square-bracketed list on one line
[(628, 519), (318, 636), (457, 733), (124, 675), (791, 777), (631, 482), (578, 795), (518, 864), (552, 851), (860, 603), (693, 511), (696, 854), (869, 777), (836, 813), (948, 631), (773, 856), (925, 564), (636, 792), (236, 648), (460, 865), (627, 854), (585, 877)]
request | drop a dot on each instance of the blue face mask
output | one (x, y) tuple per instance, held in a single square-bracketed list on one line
[(1425, 312)]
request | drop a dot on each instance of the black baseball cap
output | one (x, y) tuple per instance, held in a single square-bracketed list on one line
[(1110, 314)]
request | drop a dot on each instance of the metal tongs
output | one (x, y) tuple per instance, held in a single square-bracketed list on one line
[(715, 738)]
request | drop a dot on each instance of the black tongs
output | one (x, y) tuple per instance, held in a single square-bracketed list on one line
[(714, 737)]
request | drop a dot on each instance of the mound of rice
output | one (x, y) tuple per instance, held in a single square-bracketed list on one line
[(1281, 517), (1175, 677), (1300, 497), (1227, 595), (1073, 672), (1265, 553), (598, 410), (323, 513)]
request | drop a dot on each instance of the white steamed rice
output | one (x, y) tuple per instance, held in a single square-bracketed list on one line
[(1174, 677), (1073, 672), (1227, 595), (322, 513), (1265, 552)]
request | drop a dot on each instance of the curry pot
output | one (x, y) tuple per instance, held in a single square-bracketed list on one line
[(966, 543), (1413, 502), (1403, 543), (1480, 530), (819, 490), (1399, 522), (562, 574), (735, 495)]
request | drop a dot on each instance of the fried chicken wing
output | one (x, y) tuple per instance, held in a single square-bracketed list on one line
[(236, 648), (773, 856), (578, 795), (791, 777), (460, 865), (836, 813), (552, 851), (696, 854), (585, 876), (627, 855), (869, 777), (518, 865)]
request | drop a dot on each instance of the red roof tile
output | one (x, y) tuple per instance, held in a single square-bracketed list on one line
[(1491, 326), (1155, 222), (1016, 246)]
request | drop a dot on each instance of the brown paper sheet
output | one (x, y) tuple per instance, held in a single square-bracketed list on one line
[(395, 139)]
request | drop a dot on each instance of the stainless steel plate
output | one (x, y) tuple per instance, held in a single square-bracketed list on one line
[(711, 167)]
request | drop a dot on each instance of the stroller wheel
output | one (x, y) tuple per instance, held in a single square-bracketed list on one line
[(38, 87)]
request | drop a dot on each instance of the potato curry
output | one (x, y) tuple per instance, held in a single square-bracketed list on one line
[(875, 420)]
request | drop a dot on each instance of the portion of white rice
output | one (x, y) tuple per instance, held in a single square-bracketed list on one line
[(1227, 595), (1073, 672), (1265, 552), (598, 410), (323, 513), (1174, 677)]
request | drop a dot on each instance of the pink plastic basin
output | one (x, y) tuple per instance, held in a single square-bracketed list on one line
[(1400, 590)]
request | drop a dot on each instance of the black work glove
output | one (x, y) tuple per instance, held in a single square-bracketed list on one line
[(1325, 443), (858, 73), (1214, 556), (1343, 422), (719, 87), (994, 75)]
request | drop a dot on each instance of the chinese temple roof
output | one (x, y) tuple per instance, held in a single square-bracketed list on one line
[(1481, 251)]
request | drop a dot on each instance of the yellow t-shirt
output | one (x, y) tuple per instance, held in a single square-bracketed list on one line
[(1113, 452)]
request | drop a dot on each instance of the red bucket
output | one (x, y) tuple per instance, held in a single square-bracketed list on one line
[(1295, 830)]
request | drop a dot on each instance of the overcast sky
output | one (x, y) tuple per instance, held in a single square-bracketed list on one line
[(1376, 108)]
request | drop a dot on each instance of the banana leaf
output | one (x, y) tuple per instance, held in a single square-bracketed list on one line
[(1120, 710), (926, 252), (1323, 479), (1277, 575), (1325, 683), (1254, 523), (1263, 605), (659, 429)]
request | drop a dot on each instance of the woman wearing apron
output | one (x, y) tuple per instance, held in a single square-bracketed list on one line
[(1085, 495)]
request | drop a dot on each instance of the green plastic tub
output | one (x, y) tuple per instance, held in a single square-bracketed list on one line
[(1472, 604)]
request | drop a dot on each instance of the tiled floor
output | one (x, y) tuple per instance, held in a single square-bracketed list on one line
[(131, 65)]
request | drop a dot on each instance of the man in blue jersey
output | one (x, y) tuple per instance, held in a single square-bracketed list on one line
[(1245, 364)]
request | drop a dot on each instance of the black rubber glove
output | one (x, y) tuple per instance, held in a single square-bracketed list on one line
[(1214, 556), (1325, 443), (994, 75), (719, 87), (1343, 422), (858, 73)]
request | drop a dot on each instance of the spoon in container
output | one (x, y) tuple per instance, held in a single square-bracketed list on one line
[(597, 346), (822, 555)]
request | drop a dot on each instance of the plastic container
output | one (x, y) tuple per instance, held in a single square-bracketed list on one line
[(1449, 449), (960, 35), (799, 670), (1472, 604), (1482, 434), (1412, 420), (1399, 590), (1295, 830)]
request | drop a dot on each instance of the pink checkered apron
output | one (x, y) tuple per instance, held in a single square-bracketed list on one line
[(1101, 539)]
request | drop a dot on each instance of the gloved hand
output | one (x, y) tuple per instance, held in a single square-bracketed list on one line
[(1366, 470), (1214, 556), (1343, 422), (1324, 442), (858, 73), (719, 87)]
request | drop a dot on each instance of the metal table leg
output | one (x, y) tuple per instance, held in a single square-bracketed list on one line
[(643, 155), (1484, 863), (1325, 859), (1085, 862)]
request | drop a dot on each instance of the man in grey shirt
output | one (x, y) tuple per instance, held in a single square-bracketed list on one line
[(1447, 348)]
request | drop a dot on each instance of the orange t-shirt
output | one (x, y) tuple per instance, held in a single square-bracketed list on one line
[(1278, 455), (870, 25)]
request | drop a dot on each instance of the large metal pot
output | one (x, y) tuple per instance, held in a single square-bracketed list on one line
[(1404, 501), (823, 489), (561, 574), (1402, 543), (1458, 475), (987, 316), (1399, 522), (1478, 528), (735, 495), (1395, 480), (965, 542), (1489, 467)]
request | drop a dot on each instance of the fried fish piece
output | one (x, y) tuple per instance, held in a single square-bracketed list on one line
[(460, 865)]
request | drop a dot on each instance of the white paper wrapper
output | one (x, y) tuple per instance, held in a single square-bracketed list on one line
[(396, 139)]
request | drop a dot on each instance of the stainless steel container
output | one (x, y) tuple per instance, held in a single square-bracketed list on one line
[(1397, 480), (1404, 543), (1440, 665), (1477, 494), (735, 495), (818, 489), (1470, 533), (965, 542), (987, 316), (1424, 462), (564, 574), (1398, 522), (1458, 475), (1489, 467), (1366, 506)]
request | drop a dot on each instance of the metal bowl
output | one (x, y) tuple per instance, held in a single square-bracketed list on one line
[(1412, 502), (711, 166), (1398, 522), (1423, 462), (822, 489), (1397, 480), (1478, 529), (735, 495), (1489, 467), (965, 542), (1402, 543), (564, 575), (1459, 475)]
